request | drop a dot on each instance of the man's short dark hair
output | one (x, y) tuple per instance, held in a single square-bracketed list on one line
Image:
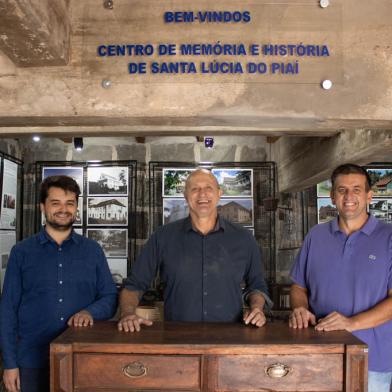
[(67, 184), (350, 168)]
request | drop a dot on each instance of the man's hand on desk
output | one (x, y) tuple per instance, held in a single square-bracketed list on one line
[(81, 319), (132, 323), (254, 316), (301, 318)]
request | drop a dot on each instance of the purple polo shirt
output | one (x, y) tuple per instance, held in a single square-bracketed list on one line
[(350, 274)]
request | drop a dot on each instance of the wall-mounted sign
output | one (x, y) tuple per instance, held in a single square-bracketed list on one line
[(178, 41)]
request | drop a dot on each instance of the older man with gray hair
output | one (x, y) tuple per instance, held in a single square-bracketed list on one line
[(202, 260)]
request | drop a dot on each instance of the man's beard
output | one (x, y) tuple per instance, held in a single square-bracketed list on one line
[(60, 226)]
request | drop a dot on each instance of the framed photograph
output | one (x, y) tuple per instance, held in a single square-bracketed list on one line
[(114, 242), (324, 188), (382, 181), (173, 181), (326, 210), (381, 209), (118, 269), (108, 211), (237, 210), (9, 195), (79, 214), (78, 230), (107, 180), (174, 209), (235, 182), (76, 172)]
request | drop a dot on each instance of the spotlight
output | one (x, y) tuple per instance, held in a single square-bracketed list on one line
[(208, 142), (78, 143), (326, 84), (36, 138)]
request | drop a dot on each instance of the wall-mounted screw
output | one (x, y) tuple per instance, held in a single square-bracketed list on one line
[(108, 4)]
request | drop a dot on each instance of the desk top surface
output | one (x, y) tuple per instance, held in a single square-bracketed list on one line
[(170, 337)]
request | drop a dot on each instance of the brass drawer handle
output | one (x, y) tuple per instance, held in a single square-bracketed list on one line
[(135, 370), (277, 370)]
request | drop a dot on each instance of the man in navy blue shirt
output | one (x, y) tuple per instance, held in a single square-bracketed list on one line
[(202, 261), (54, 279)]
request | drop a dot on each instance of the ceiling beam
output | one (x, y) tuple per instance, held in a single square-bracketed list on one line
[(303, 162)]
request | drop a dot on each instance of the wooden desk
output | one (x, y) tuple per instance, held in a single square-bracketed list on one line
[(207, 357)]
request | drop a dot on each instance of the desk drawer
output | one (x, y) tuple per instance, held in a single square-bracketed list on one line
[(313, 372), (137, 371)]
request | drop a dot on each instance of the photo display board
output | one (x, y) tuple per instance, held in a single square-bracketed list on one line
[(245, 187), (106, 207), (236, 203), (381, 204), (11, 175)]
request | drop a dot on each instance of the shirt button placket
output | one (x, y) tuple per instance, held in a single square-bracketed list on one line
[(60, 282)]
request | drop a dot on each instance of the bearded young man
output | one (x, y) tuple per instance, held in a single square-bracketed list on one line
[(54, 279)]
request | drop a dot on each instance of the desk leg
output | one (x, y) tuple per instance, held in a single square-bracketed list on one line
[(356, 369), (61, 368)]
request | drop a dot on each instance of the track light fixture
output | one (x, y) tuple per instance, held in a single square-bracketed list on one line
[(78, 143)]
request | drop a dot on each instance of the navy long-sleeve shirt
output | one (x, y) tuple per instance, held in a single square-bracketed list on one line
[(45, 284), (202, 273)]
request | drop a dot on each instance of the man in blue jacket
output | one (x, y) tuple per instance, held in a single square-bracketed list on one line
[(54, 279)]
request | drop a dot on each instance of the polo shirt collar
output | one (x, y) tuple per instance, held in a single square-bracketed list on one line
[(44, 237), (367, 228)]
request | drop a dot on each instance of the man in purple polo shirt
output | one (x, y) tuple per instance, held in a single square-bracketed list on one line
[(343, 274)]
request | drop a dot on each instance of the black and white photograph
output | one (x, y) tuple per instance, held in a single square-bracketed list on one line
[(8, 197), (326, 210), (114, 242), (381, 179), (75, 172), (237, 210), (235, 182), (174, 209), (107, 180), (78, 230), (108, 211), (118, 269), (79, 214), (174, 181), (381, 209)]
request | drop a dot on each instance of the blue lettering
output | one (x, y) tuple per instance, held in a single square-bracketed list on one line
[(134, 68), (101, 50), (169, 49), (254, 50), (246, 16), (261, 68), (178, 17)]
